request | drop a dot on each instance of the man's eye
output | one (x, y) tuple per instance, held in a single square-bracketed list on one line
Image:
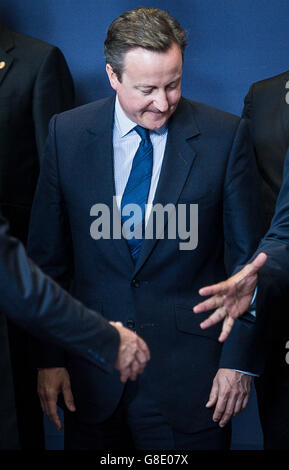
[(146, 92)]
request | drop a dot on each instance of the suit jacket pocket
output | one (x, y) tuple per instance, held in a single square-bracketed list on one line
[(189, 322)]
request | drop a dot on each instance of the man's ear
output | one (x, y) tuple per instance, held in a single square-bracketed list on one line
[(113, 80)]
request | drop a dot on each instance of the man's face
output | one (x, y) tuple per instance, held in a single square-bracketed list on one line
[(151, 85)]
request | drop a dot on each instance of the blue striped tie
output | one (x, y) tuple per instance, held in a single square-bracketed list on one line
[(137, 187)]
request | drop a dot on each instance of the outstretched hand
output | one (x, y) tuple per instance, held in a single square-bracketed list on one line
[(231, 298)]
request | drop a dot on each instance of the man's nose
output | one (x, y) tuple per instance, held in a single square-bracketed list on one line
[(161, 101)]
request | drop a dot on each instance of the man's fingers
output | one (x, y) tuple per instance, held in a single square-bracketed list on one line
[(228, 411), (217, 316), (210, 304), (239, 405), (68, 398), (245, 402), (43, 405), (228, 324), (133, 353), (220, 407), (124, 375), (244, 395), (46, 399), (144, 348), (131, 372), (135, 369), (116, 323), (52, 412), (132, 369), (219, 288), (213, 395), (233, 394), (141, 357)]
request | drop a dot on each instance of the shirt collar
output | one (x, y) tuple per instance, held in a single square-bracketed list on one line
[(125, 125)]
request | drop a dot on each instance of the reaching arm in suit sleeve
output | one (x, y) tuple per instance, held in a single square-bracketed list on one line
[(273, 278), (279, 228), (49, 243), (38, 304), (53, 93), (243, 228)]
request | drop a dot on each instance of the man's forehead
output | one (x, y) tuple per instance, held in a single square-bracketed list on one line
[(145, 67), (150, 83)]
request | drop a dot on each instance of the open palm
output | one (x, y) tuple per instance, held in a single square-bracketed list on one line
[(231, 298)]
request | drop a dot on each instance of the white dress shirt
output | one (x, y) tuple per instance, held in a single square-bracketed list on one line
[(125, 144)]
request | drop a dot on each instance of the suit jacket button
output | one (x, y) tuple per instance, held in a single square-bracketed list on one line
[(135, 283), (130, 324)]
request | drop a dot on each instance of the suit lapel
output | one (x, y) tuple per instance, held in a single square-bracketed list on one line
[(178, 159), (99, 156), (6, 44)]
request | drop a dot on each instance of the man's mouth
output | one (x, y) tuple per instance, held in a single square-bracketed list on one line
[(159, 113)]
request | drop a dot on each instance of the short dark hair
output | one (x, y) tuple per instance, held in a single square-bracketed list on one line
[(150, 28)]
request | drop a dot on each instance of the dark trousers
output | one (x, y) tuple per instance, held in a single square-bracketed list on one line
[(8, 421), (138, 424), (273, 398)]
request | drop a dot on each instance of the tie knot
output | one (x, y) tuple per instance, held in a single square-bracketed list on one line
[(143, 133)]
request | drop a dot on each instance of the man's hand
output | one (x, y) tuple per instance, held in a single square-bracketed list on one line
[(230, 393), (230, 298), (51, 382), (133, 353)]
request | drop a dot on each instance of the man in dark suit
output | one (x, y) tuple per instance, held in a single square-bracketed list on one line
[(267, 109), (35, 83), (231, 298), (148, 145), (39, 305)]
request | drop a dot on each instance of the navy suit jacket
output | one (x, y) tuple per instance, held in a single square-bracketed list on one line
[(273, 281), (268, 114), (35, 83), (208, 161)]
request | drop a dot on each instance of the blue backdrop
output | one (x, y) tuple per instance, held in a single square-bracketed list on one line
[(231, 44)]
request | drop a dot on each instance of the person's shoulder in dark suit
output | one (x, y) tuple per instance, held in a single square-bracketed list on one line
[(267, 110), (35, 84), (38, 71), (268, 83), (268, 89)]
